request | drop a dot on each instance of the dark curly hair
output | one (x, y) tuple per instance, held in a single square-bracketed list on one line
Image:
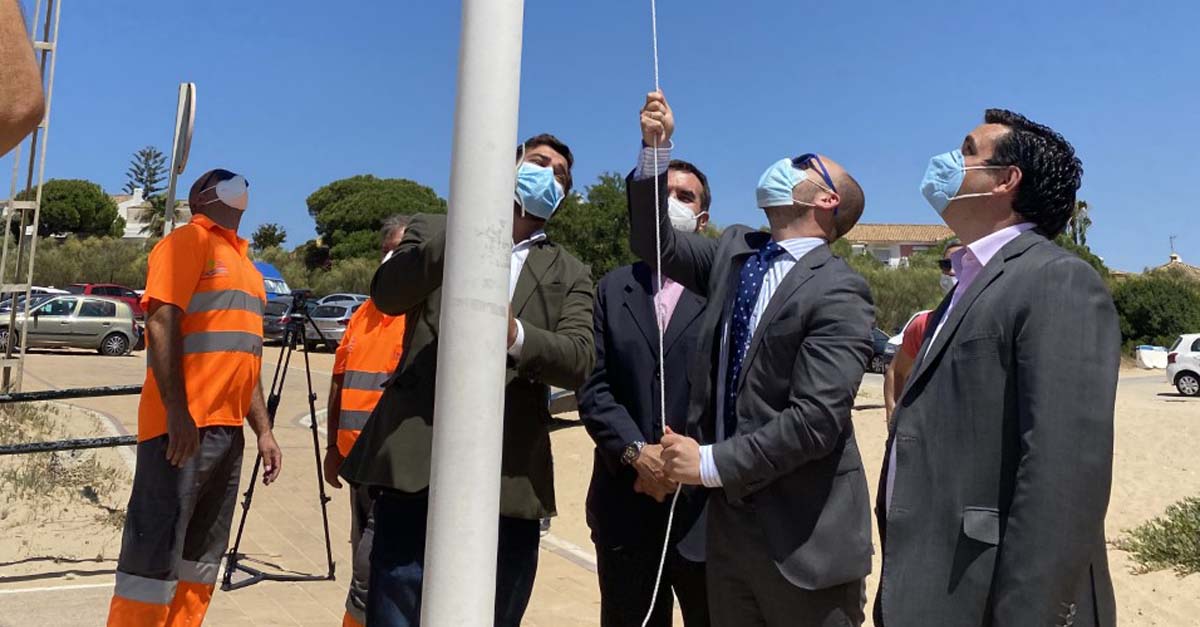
[(1050, 171)]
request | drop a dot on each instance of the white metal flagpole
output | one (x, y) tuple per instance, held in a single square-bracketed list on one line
[(464, 493)]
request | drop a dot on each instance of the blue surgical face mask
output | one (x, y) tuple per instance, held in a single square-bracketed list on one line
[(944, 177), (538, 192), (776, 184)]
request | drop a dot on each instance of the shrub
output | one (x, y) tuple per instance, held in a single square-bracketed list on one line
[(1156, 307), (1169, 541)]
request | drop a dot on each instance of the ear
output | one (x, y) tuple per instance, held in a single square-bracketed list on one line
[(1009, 181), (827, 201), (702, 222)]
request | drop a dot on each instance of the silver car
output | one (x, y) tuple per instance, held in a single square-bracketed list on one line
[(331, 320), (102, 324)]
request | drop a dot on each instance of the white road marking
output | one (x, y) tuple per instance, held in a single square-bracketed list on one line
[(83, 586)]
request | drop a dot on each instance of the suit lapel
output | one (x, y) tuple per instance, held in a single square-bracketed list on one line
[(541, 257), (992, 271), (798, 276), (639, 300), (689, 307)]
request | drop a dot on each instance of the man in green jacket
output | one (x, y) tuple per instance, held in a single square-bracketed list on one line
[(550, 343)]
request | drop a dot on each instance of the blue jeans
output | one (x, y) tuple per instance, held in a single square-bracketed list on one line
[(398, 563)]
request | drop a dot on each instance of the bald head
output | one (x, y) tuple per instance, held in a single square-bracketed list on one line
[(849, 199)]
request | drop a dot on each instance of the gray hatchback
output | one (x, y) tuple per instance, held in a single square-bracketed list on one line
[(103, 324)]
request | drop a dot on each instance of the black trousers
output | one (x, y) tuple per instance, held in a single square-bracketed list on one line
[(627, 581)]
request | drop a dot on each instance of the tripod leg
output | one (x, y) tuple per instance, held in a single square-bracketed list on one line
[(232, 556), (312, 413)]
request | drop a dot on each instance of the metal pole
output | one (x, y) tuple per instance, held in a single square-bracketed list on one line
[(169, 214), (464, 493)]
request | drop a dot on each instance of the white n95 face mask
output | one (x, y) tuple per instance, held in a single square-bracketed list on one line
[(683, 218), (234, 192)]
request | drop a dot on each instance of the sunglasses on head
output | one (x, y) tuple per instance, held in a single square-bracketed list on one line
[(803, 161)]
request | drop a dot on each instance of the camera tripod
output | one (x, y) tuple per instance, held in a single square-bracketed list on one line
[(293, 334)]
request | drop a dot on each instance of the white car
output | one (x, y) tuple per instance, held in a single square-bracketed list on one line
[(893, 346), (1183, 364), (342, 298)]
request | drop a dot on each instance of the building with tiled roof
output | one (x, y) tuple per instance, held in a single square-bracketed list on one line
[(1175, 264), (894, 243), (137, 212)]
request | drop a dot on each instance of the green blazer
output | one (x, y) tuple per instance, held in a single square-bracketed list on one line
[(553, 301)]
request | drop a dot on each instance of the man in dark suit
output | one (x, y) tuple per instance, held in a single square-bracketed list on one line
[(782, 349), (996, 481), (550, 344), (620, 405)]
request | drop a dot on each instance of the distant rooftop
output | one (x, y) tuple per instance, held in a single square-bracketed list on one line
[(899, 233)]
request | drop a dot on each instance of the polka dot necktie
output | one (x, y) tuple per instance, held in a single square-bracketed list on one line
[(749, 285)]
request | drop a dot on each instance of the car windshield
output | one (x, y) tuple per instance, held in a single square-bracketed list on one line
[(276, 286), (329, 311), (76, 289), (278, 307)]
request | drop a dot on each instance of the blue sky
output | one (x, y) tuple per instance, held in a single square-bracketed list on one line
[(299, 93)]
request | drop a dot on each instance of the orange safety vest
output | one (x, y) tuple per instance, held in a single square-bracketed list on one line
[(204, 270), (368, 354)]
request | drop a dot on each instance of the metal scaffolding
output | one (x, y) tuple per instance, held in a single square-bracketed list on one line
[(16, 279)]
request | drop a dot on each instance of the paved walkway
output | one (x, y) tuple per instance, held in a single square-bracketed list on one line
[(284, 526)]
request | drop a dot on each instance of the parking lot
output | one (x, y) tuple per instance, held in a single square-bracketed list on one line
[(67, 579)]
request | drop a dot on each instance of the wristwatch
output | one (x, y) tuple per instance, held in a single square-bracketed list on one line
[(631, 452)]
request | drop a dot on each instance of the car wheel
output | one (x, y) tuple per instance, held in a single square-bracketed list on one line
[(114, 345), (1188, 384), (877, 364)]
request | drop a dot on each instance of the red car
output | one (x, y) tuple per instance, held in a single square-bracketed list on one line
[(119, 292)]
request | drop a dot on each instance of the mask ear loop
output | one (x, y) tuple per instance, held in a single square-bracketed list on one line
[(516, 170), (977, 194)]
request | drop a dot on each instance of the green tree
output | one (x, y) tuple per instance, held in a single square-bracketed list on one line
[(1156, 307), (349, 212), (147, 169), (73, 206), (596, 229), (269, 235), (289, 264), (154, 226)]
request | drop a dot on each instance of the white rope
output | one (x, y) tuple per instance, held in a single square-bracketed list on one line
[(661, 319)]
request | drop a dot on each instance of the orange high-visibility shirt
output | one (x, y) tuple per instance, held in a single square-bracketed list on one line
[(367, 356), (203, 269)]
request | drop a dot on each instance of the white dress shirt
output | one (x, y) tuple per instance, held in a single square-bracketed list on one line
[(968, 263), (520, 253)]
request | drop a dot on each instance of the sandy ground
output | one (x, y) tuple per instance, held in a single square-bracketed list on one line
[(56, 567)]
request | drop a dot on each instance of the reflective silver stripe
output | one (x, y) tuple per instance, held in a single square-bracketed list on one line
[(223, 341), (353, 420), (359, 380), (144, 589), (224, 300), (198, 572)]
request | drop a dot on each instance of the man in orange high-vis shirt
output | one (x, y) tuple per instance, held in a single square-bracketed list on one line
[(366, 357), (204, 301)]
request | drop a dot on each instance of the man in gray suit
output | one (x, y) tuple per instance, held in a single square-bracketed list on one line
[(996, 481), (781, 351)]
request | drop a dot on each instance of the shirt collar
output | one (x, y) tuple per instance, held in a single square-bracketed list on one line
[(204, 221), (537, 236), (984, 248), (798, 247)]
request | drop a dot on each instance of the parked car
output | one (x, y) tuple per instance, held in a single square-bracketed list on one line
[(273, 282), (119, 292), (104, 324), (276, 315), (879, 354), (342, 298), (34, 301), (893, 345), (331, 320), (1183, 364)]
